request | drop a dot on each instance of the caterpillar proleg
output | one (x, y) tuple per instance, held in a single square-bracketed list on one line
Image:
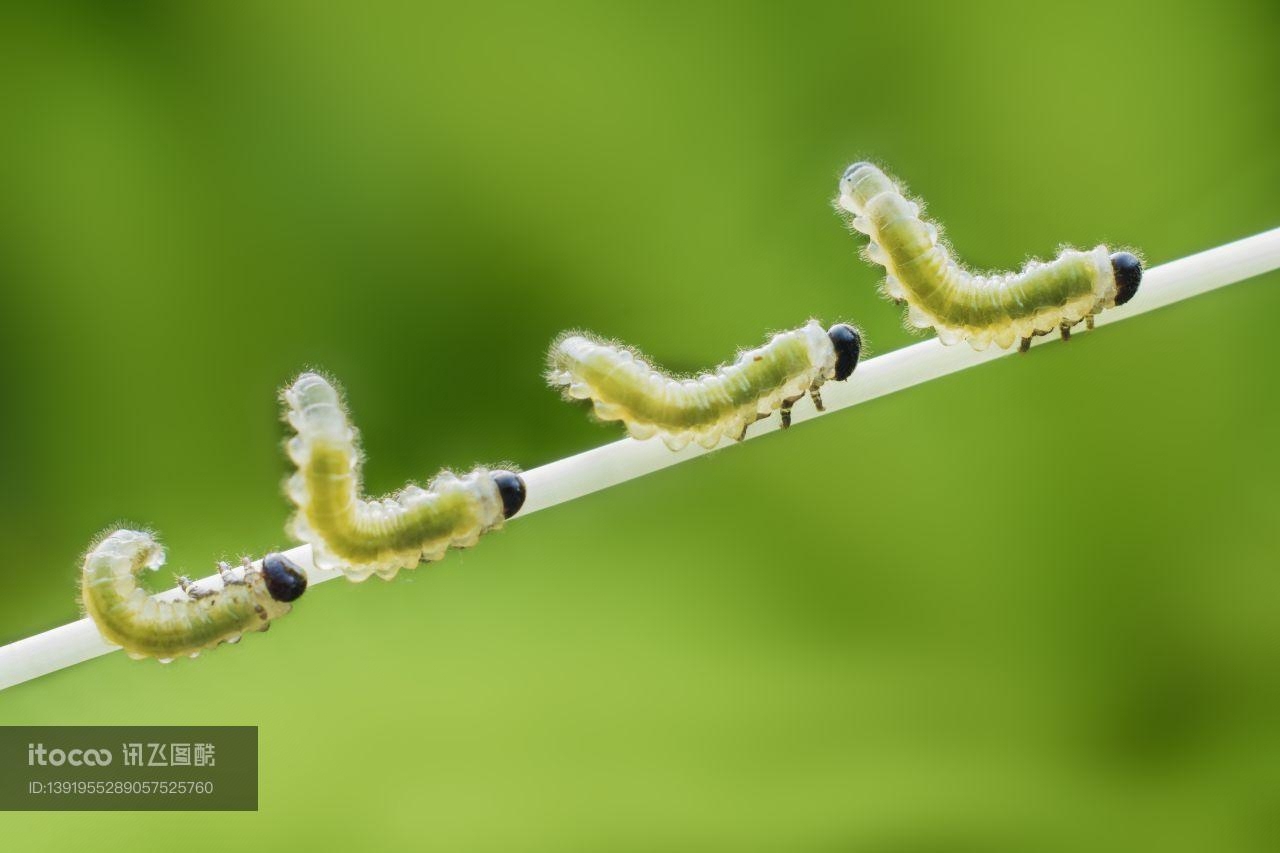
[(147, 627), (366, 537), (961, 305), (622, 386)]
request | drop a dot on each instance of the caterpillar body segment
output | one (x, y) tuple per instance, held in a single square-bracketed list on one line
[(148, 627), (362, 537), (622, 386), (982, 309)]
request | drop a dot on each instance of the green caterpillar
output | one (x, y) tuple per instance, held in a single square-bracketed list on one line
[(148, 627), (622, 386), (362, 537), (981, 309)]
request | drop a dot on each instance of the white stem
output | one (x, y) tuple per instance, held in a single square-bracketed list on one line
[(627, 459)]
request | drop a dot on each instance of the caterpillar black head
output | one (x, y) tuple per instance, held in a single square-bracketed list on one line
[(285, 579), (848, 346), (511, 488), (1128, 272)]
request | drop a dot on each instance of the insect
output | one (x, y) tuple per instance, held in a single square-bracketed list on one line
[(962, 305), (149, 627), (622, 386), (366, 537)]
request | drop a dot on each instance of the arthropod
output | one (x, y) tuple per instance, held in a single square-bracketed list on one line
[(978, 308), (622, 386), (149, 627), (366, 537)]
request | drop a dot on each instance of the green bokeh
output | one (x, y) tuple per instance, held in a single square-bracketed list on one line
[(1028, 607)]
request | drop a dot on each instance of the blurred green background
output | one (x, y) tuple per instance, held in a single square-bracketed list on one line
[(1028, 607)]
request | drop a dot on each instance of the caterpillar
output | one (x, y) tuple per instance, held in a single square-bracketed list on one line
[(962, 305), (362, 537), (148, 627), (622, 386)]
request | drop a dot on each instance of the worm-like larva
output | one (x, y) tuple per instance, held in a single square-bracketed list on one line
[(379, 537), (622, 386), (147, 627), (962, 305)]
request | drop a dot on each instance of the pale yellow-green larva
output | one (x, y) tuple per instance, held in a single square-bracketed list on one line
[(362, 537), (979, 308), (147, 627), (622, 386)]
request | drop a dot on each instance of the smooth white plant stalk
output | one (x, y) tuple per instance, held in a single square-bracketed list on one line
[(566, 479)]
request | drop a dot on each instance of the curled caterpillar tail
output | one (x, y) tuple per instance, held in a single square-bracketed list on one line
[(961, 305), (366, 537), (147, 627), (622, 386)]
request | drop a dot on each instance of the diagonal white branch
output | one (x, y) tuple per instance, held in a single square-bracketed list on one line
[(615, 463)]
